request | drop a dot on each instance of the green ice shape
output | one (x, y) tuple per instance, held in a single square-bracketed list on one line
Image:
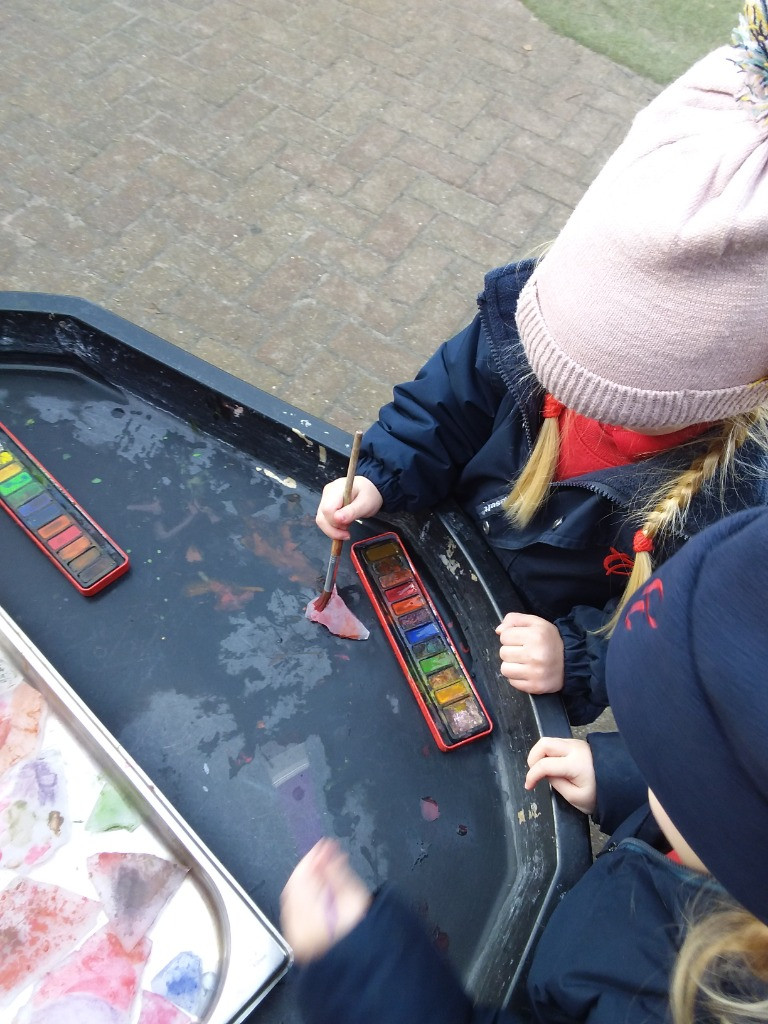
[(112, 811)]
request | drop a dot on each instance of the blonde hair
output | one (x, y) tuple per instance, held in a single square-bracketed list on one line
[(530, 490), (668, 505), (714, 976)]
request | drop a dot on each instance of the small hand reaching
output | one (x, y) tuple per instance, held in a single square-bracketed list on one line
[(322, 901), (333, 518), (568, 765), (531, 653)]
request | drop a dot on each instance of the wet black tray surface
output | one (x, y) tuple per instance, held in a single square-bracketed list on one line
[(263, 729)]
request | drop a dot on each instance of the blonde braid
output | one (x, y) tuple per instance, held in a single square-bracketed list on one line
[(670, 504), (721, 954), (530, 490)]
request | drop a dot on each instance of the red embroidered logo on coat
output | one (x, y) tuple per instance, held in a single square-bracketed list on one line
[(643, 604), (616, 563)]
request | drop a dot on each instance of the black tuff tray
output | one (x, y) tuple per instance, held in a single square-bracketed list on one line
[(261, 728)]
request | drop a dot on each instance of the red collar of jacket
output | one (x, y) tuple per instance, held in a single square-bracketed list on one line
[(587, 445)]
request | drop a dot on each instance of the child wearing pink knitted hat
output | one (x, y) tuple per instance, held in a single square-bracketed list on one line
[(611, 399)]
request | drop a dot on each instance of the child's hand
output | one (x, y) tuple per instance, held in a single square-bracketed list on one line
[(569, 767), (332, 519), (531, 653), (322, 901)]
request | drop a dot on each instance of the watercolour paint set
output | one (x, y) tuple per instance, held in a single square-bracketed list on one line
[(422, 644), (79, 548)]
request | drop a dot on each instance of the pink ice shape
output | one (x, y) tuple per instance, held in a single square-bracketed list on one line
[(100, 967), (39, 923), (337, 618), (157, 1010)]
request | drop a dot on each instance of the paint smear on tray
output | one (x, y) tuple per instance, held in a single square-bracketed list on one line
[(133, 888), (337, 618), (39, 923), (429, 809), (229, 596), (280, 550)]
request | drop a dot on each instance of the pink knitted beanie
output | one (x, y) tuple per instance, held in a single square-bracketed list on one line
[(650, 310)]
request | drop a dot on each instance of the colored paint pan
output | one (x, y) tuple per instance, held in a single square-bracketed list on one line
[(438, 678), (50, 516)]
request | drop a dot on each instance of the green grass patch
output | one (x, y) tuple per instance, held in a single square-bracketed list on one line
[(659, 39)]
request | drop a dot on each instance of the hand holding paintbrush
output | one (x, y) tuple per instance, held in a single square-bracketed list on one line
[(336, 545)]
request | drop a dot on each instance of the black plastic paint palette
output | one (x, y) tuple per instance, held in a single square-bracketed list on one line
[(54, 521), (427, 655)]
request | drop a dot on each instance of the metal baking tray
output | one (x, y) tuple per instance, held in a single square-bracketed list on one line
[(243, 955)]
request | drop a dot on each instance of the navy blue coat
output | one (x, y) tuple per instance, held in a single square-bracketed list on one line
[(604, 957), (465, 427)]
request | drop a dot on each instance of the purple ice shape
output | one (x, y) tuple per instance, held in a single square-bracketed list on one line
[(77, 1009)]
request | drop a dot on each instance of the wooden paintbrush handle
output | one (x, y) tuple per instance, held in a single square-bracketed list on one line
[(336, 545), (351, 470)]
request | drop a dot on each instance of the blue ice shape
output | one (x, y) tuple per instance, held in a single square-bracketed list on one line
[(181, 982)]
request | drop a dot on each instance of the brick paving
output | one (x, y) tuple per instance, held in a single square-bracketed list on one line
[(306, 193)]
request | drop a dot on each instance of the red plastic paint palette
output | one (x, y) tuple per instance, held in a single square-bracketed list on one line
[(427, 655), (79, 548)]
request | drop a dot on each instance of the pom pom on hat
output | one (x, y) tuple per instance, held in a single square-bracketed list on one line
[(750, 38), (650, 310), (686, 677)]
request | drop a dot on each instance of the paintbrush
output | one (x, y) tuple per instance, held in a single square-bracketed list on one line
[(336, 545)]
